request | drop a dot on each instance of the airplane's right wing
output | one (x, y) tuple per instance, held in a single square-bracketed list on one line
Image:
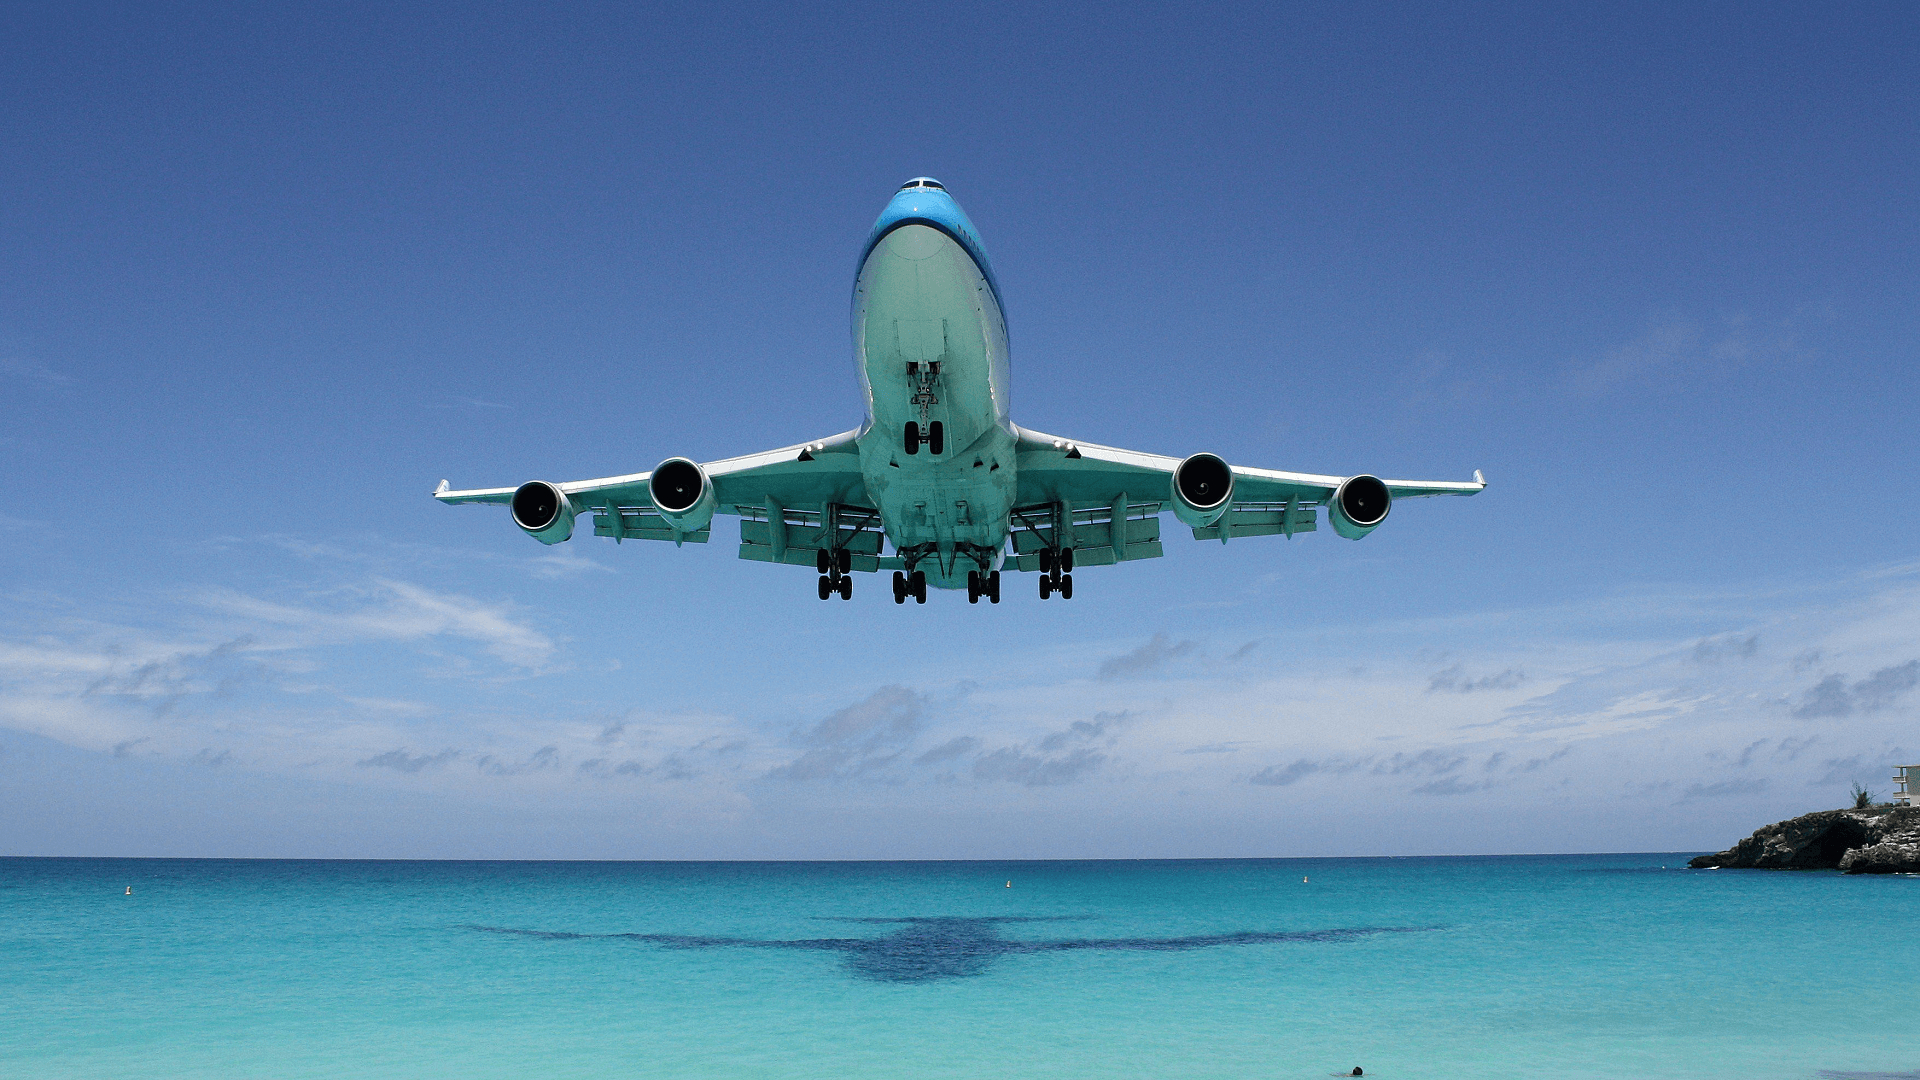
[(1105, 502)]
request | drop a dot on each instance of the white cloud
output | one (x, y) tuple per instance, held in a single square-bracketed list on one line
[(329, 683), (395, 611)]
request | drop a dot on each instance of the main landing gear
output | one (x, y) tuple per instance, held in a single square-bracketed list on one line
[(935, 438), (914, 585), (835, 569), (1056, 573), (983, 584)]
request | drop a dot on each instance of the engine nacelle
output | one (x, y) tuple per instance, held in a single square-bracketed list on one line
[(683, 494), (1202, 490), (1359, 504), (543, 510)]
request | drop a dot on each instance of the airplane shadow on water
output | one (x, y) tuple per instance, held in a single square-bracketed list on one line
[(926, 949)]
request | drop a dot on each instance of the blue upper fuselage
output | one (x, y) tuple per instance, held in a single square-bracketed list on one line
[(923, 202)]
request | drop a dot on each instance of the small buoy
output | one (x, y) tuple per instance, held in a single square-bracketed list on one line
[(1303, 879), (129, 890), (1356, 1072), (1009, 884)]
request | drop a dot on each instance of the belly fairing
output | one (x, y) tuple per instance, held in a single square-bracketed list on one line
[(921, 299)]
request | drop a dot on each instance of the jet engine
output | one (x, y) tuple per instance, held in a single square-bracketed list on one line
[(1202, 490), (543, 510), (1359, 504), (683, 494)]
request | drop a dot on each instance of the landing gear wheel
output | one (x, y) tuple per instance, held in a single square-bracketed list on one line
[(973, 586), (899, 587), (993, 586), (846, 588), (913, 437), (1066, 560), (843, 561), (1046, 561), (825, 586), (936, 438), (917, 581), (1046, 586), (820, 561), (1066, 586)]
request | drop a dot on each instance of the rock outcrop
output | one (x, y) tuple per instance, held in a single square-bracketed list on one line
[(1876, 840)]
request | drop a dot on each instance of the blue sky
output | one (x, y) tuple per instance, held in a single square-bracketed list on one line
[(265, 278)]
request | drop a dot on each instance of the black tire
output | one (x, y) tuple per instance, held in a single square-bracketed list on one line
[(918, 581), (973, 586), (1046, 586), (824, 586), (899, 587), (1066, 560), (845, 560), (846, 588), (1046, 560), (820, 560), (912, 441), (937, 438), (993, 586), (1066, 586)]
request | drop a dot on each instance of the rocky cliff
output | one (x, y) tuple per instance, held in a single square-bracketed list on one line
[(1877, 840)]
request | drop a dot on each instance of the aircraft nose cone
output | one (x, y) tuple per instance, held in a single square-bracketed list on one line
[(914, 242)]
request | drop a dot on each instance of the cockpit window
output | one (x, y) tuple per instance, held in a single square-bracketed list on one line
[(922, 182)]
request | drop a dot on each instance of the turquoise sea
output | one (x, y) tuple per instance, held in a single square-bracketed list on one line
[(1538, 966)]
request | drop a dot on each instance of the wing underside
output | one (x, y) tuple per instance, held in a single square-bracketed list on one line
[(815, 489), (1072, 493), (1103, 502)]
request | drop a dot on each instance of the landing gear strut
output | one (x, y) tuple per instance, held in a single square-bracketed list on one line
[(983, 584)]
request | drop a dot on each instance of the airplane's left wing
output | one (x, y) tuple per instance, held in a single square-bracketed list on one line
[(1073, 493), (809, 488)]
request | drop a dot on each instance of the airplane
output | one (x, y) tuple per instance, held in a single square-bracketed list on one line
[(939, 473)]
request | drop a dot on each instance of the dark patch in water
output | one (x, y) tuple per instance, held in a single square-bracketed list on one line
[(925, 949)]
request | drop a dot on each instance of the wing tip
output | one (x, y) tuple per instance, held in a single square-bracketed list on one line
[(443, 488), (1480, 478)]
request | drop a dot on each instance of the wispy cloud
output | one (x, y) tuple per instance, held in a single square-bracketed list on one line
[(1833, 696), (402, 761), (33, 372), (1153, 655), (1015, 765), (396, 611), (859, 738), (1681, 346), (1456, 680)]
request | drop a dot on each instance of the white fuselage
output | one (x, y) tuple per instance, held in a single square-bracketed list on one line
[(920, 299)]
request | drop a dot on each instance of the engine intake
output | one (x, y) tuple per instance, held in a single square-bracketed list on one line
[(683, 494), (1358, 505), (543, 511), (1202, 490)]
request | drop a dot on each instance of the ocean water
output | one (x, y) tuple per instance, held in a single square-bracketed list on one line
[(1541, 966)]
